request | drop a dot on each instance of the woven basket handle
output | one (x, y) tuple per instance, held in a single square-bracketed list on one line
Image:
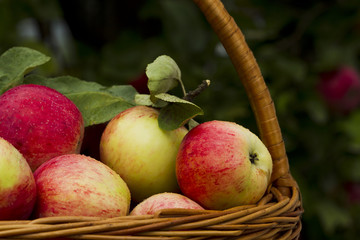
[(249, 73)]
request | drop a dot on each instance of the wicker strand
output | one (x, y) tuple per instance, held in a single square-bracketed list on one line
[(226, 217)]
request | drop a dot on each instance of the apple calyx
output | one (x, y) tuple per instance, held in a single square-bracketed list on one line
[(253, 157)]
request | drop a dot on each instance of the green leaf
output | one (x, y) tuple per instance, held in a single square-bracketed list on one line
[(173, 99), (127, 92), (177, 112), (98, 107), (69, 84), (163, 74), (15, 63), (145, 100), (97, 103)]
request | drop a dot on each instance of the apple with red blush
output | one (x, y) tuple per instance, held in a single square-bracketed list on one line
[(141, 152), (77, 185), (40, 122), (17, 184), (221, 165), (164, 200)]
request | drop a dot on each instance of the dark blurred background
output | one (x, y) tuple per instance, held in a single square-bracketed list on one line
[(308, 52)]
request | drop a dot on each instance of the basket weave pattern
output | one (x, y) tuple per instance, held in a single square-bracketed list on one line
[(276, 216)]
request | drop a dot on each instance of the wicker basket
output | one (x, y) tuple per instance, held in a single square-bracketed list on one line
[(276, 216)]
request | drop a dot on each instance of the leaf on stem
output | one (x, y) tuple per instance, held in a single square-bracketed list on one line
[(177, 113), (163, 74), (145, 100), (15, 63)]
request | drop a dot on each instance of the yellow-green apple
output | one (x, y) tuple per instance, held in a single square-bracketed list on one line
[(40, 122), (221, 164), (142, 153), (17, 184), (164, 200), (78, 185)]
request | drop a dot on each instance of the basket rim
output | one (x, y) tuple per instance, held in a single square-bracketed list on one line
[(267, 218)]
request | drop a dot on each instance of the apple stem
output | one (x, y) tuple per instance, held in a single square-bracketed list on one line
[(192, 94)]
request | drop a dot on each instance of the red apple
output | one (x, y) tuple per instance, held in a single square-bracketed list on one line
[(77, 185), (165, 200), (222, 165), (340, 88), (40, 122), (142, 153), (17, 184)]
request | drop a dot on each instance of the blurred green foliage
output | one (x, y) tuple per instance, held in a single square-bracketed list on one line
[(111, 42)]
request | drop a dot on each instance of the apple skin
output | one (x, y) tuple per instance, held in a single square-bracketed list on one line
[(142, 153), (17, 184), (164, 200), (77, 185), (40, 122), (213, 165)]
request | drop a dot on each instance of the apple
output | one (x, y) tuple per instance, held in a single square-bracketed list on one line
[(340, 88), (17, 184), (142, 153), (40, 122), (164, 200), (221, 164), (78, 185)]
